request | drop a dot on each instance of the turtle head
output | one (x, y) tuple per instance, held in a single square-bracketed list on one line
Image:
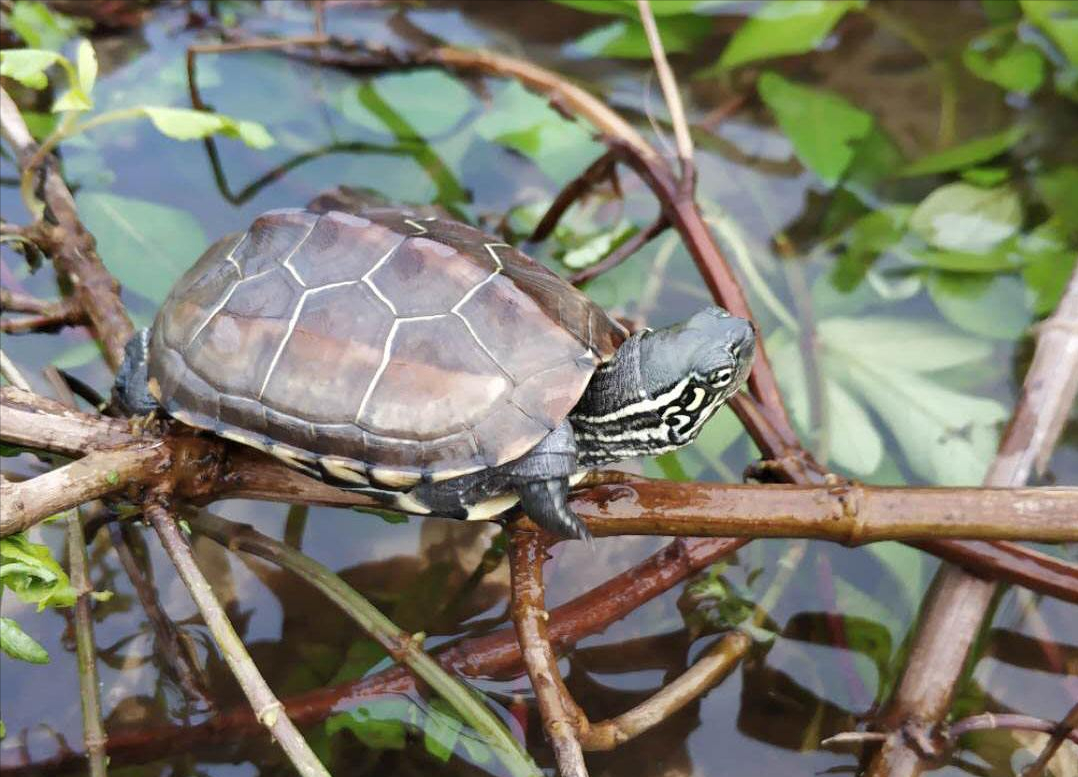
[(663, 386), (690, 369)]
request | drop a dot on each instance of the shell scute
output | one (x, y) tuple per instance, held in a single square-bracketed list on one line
[(424, 277), (342, 247)]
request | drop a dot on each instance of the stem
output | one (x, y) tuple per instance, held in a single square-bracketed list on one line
[(92, 727), (668, 84), (268, 710), (402, 646)]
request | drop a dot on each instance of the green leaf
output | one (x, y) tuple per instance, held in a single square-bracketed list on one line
[(145, 245), (822, 126), (629, 8), (961, 217), (1001, 11), (1058, 18), (32, 573), (1050, 262), (28, 66), (985, 176), (187, 124), (74, 99), (1059, 190), (784, 27), (378, 724), (990, 306), (525, 123), (867, 238), (441, 729), (1002, 258), (362, 656), (907, 345), (966, 154), (39, 27), (998, 56), (596, 247), (411, 112), (626, 38), (86, 64), (18, 644)]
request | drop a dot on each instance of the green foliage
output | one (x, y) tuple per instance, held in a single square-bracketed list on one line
[(32, 573), (186, 124), (969, 153), (145, 245), (713, 604), (784, 27), (823, 127), (626, 38), (991, 306), (1059, 19), (38, 26), (629, 8), (20, 645), (524, 122), (961, 217), (28, 66), (1000, 57)]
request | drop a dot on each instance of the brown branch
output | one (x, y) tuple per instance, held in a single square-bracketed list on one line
[(268, 710), (43, 315), (621, 253), (598, 171), (566, 725), (561, 716), (958, 602), (62, 236), (204, 468), (98, 474)]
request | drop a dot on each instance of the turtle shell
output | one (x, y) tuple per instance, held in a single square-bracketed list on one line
[(378, 348)]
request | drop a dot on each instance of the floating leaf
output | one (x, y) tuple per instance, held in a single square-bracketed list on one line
[(18, 644), (1002, 258), (441, 729), (969, 153), (865, 240), (822, 126), (1058, 18), (378, 724), (28, 66), (626, 38), (990, 306), (998, 56), (145, 245), (961, 217), (784, 27), (525, 123)]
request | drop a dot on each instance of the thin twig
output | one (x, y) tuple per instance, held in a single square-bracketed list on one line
[(43, 315), (1065, 729), (669, 87), (93, 730), (402, 646), (268, 710), (11, 373), (598, 171), (621, 253)]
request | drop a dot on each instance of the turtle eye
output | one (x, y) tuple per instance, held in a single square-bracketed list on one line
[(720, 378)]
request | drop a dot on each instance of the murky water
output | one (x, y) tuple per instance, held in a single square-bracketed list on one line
[(842, 619)]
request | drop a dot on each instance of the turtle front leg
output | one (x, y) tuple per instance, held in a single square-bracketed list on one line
[(541, 479), (131, 392), (544, 501)]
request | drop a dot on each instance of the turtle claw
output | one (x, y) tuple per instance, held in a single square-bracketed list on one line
[(544, 501)]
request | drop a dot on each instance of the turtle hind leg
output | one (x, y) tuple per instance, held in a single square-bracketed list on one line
[(131, 391), (544, 501)]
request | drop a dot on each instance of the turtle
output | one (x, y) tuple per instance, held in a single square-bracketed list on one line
[(423, 362)]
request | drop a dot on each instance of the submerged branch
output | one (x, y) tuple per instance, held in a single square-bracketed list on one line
[(268, 710)]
